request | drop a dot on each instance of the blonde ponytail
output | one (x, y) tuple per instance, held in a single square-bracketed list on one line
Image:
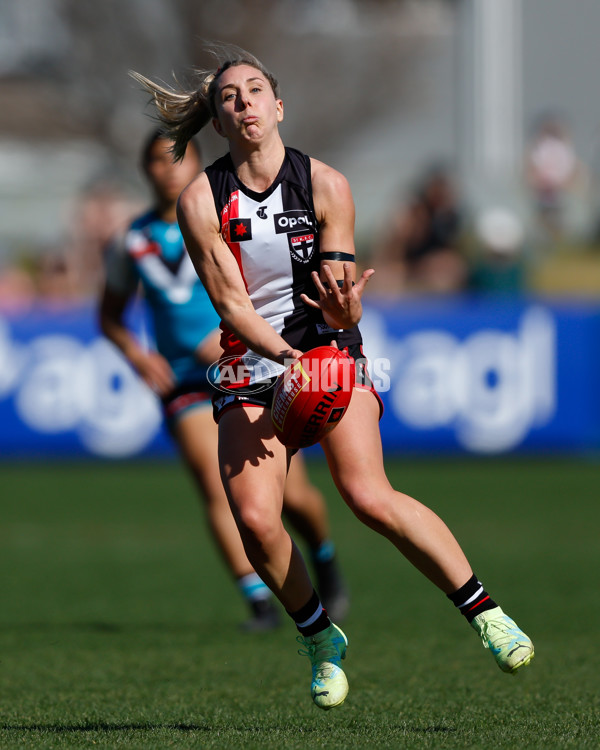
[(184, 112)]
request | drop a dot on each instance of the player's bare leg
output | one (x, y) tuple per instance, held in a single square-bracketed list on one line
[(422, 537), (358, 470), (253, 468), (196, 434), (304, 507)]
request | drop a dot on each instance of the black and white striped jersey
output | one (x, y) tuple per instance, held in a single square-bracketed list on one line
[(274, 237)]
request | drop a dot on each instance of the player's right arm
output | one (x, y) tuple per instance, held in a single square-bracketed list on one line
[(221, 275), (118, 291)]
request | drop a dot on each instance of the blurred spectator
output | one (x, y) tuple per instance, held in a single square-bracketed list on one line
[(421, 251), (552, 172), (499, 263), (101, 212), (17, 290), (57, 280), (73, 271)]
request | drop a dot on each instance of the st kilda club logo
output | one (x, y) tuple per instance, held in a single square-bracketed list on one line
[(302, 246)]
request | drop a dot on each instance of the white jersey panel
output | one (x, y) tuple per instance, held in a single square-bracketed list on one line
[(266, 261)]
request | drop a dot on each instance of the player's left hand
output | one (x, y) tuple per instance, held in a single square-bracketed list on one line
[(289, 356), (209, 350), (341, 306)]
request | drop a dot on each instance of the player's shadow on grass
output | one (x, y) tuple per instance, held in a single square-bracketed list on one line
[(103, 627), (429, 730), (104, 726)]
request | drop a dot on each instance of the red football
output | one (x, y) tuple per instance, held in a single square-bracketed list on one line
[(312, 395)]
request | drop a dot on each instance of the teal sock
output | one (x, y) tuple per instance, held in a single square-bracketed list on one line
[(253, 588), (325, 552)]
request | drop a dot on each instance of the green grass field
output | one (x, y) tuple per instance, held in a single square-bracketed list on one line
[(119, 625)]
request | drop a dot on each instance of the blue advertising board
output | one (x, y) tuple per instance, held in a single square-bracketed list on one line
[(456, 375), (487, 376), (65, 391)]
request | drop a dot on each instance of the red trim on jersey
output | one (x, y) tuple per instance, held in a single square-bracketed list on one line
[(230, 344), (231, 210), (139, 250)]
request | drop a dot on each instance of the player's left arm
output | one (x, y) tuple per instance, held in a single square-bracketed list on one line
[(339, 292)]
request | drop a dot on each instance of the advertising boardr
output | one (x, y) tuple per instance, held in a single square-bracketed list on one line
[(454, 376), (68, 392), (491, 388)]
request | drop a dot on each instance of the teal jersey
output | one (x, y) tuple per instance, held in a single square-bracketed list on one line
[(153, 254)]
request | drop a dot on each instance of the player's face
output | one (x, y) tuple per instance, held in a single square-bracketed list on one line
[(167, 177), (247, 108)]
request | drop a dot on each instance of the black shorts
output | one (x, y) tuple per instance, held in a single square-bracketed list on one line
[(261, 394), (185, 397)]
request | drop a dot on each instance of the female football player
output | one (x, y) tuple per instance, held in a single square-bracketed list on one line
[(185, 323), (270, 232)]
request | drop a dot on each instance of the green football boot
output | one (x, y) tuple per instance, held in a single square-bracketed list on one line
[(510, 646), (325, 650)]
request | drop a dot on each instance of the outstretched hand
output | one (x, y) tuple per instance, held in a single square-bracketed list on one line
[(341, 306), (155, 371)]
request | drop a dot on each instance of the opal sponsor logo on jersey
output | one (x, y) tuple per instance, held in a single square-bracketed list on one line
[(294, 220)]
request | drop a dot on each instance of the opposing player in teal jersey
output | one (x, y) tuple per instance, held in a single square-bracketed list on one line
[(185, 326)]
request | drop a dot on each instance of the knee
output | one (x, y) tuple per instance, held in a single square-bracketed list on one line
[(369, 504), (258, 527)]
